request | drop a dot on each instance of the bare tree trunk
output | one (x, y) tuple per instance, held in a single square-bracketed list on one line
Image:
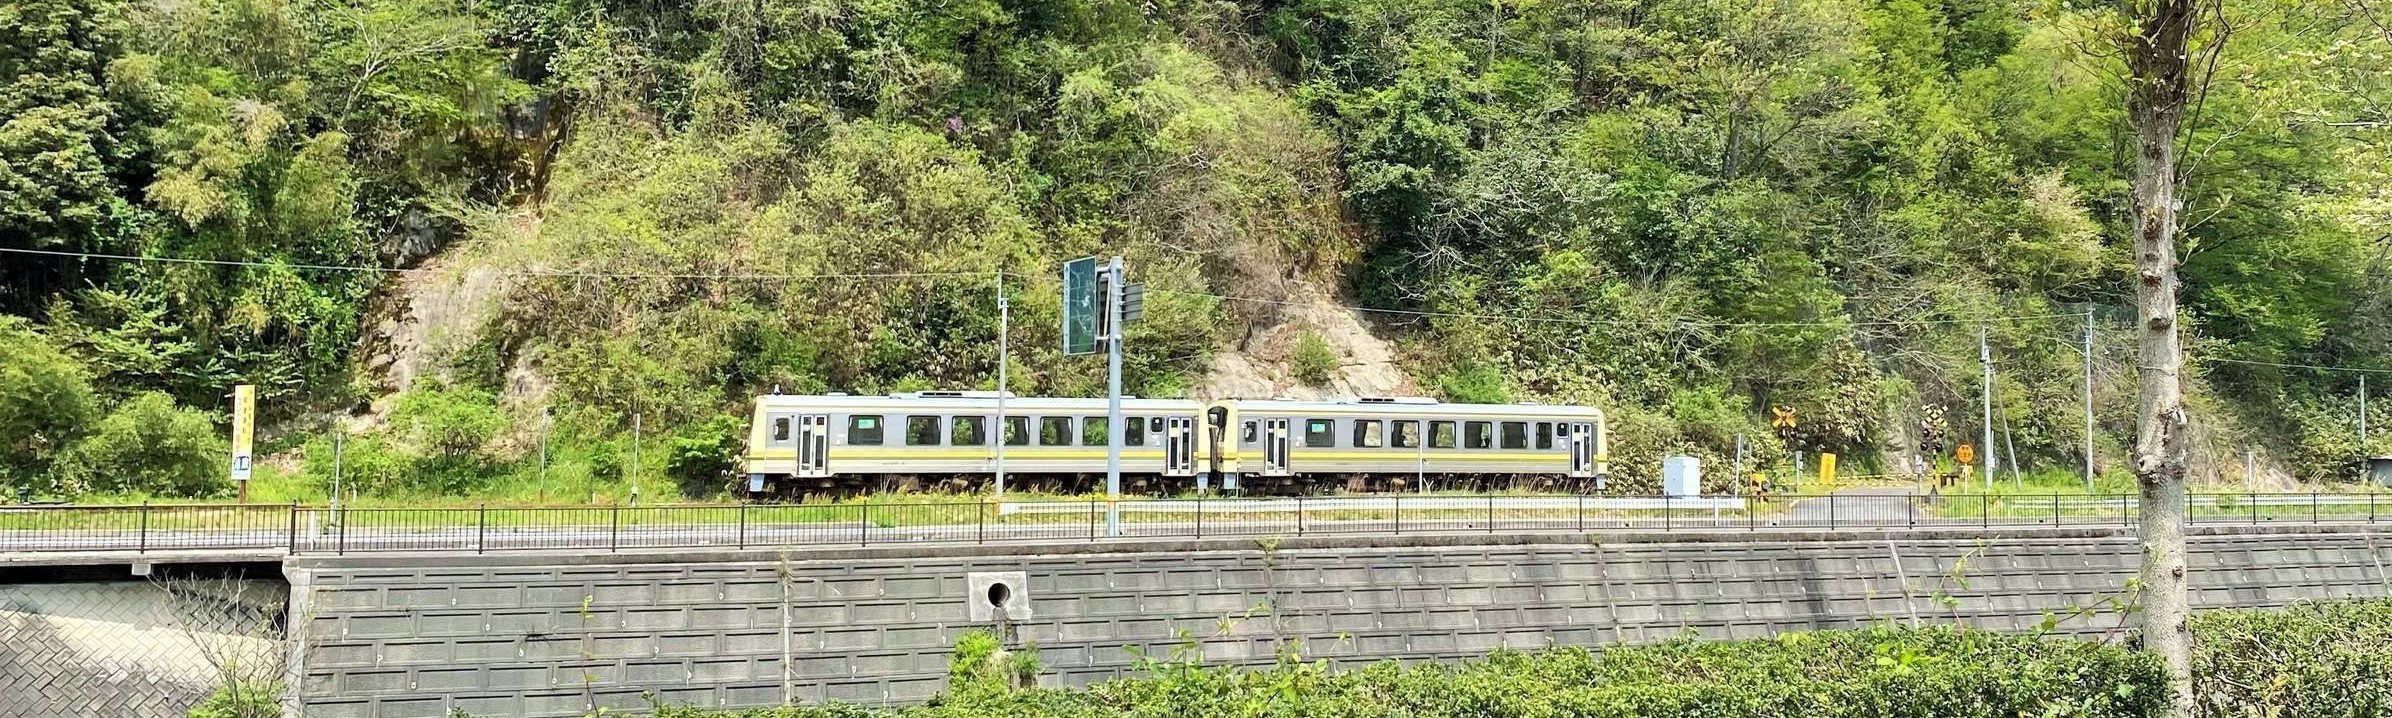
[(2159, 83)]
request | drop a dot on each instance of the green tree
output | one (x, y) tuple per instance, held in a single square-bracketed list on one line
[(46, 405)]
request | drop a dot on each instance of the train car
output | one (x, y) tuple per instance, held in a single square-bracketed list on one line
[(835, 443), (1382, 443)]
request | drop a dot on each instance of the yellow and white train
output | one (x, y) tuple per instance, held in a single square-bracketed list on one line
[(843, 444)]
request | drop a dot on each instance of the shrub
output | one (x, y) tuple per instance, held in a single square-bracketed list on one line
[(1313, 362), (45, 405), (1475, 384), (241, 699), (2327, 658), (703, 455), (149, 445)]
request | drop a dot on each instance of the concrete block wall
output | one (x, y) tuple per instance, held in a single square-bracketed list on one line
[(562, 635)]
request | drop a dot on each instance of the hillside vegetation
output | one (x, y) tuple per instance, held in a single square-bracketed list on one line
[(1684, 211)]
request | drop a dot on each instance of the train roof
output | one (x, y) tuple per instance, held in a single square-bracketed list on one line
[(1409, 406), (965, 401)]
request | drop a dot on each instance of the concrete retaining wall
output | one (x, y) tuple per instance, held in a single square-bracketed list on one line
[(559, 635)]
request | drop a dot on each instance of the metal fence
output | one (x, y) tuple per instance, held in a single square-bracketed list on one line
[(300, 529)]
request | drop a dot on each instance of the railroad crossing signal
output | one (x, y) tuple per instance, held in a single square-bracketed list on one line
[(1083, 307), (1781, 417)]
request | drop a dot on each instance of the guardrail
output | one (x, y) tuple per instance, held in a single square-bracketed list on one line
[(301, 529)]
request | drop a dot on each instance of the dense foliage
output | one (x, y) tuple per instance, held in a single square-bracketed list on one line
[(660, 209), (1937, 673), (2312, 659)]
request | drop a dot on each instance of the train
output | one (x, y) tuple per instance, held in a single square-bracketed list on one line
[(839, 444)]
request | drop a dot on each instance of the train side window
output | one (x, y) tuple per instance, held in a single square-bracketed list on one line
[(969, 431), (1017, 431), (1478, 434), (1370, 434), (1515, 434), (780, 429), (1407, 434), (1440, 435), (1092, 431), (1251, 435), (863, 430), (922, 430), (1320, 433), (1054, 431), (1544, 435), (1134, 433)]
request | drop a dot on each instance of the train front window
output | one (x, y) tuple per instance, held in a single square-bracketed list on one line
[(922, 431), (1054, 431), (1092, 431), (1515, 434), (780, 430), (1407, 434), (1544, 435), (1017, 431), (1370, 434), (1478, 434), (969, 431), (863, 430), (1440, 435), (1320, 433), (1250, 434)]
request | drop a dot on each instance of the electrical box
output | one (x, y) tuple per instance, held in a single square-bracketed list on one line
[(1681, 477)]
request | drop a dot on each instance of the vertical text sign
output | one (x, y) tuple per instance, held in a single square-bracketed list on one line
[(244, 429)]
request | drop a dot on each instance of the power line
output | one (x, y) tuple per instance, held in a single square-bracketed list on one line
[(512, 273), (1620, 322), (2354, 370)]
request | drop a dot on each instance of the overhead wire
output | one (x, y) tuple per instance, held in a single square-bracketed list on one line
[(542, 273), (1617, 322)]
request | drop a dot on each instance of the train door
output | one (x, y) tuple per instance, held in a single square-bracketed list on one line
[(1275, 441), (1582, 449), (813, 446), (1179, 446)]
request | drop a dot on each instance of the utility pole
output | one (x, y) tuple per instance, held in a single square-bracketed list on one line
[(1004, 329), (1113, 398), (2363, 416), (2088, 401), (546, 420), (1985, 356)]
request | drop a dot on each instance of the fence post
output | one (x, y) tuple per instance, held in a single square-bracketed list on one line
[(343, 547), (1752, 512), (864, 526), (1490, 514), (1831, 511), (980, 511), (1985, 511), (1299, 515), (2371, 508), (481, 530), (1667, 524), (1582, 512), (293, 546), (1092, 519), (145, 511), (743, 508), (2312, 508), (614, 527), (1399, 513), (2055, 511), (1200, 516), (2252, 498)]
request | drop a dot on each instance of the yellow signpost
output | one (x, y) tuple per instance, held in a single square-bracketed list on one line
[(244, 434), (1827, 470)]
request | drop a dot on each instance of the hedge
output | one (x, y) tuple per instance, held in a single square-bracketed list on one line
[(2311, 660), (1885, 672)]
